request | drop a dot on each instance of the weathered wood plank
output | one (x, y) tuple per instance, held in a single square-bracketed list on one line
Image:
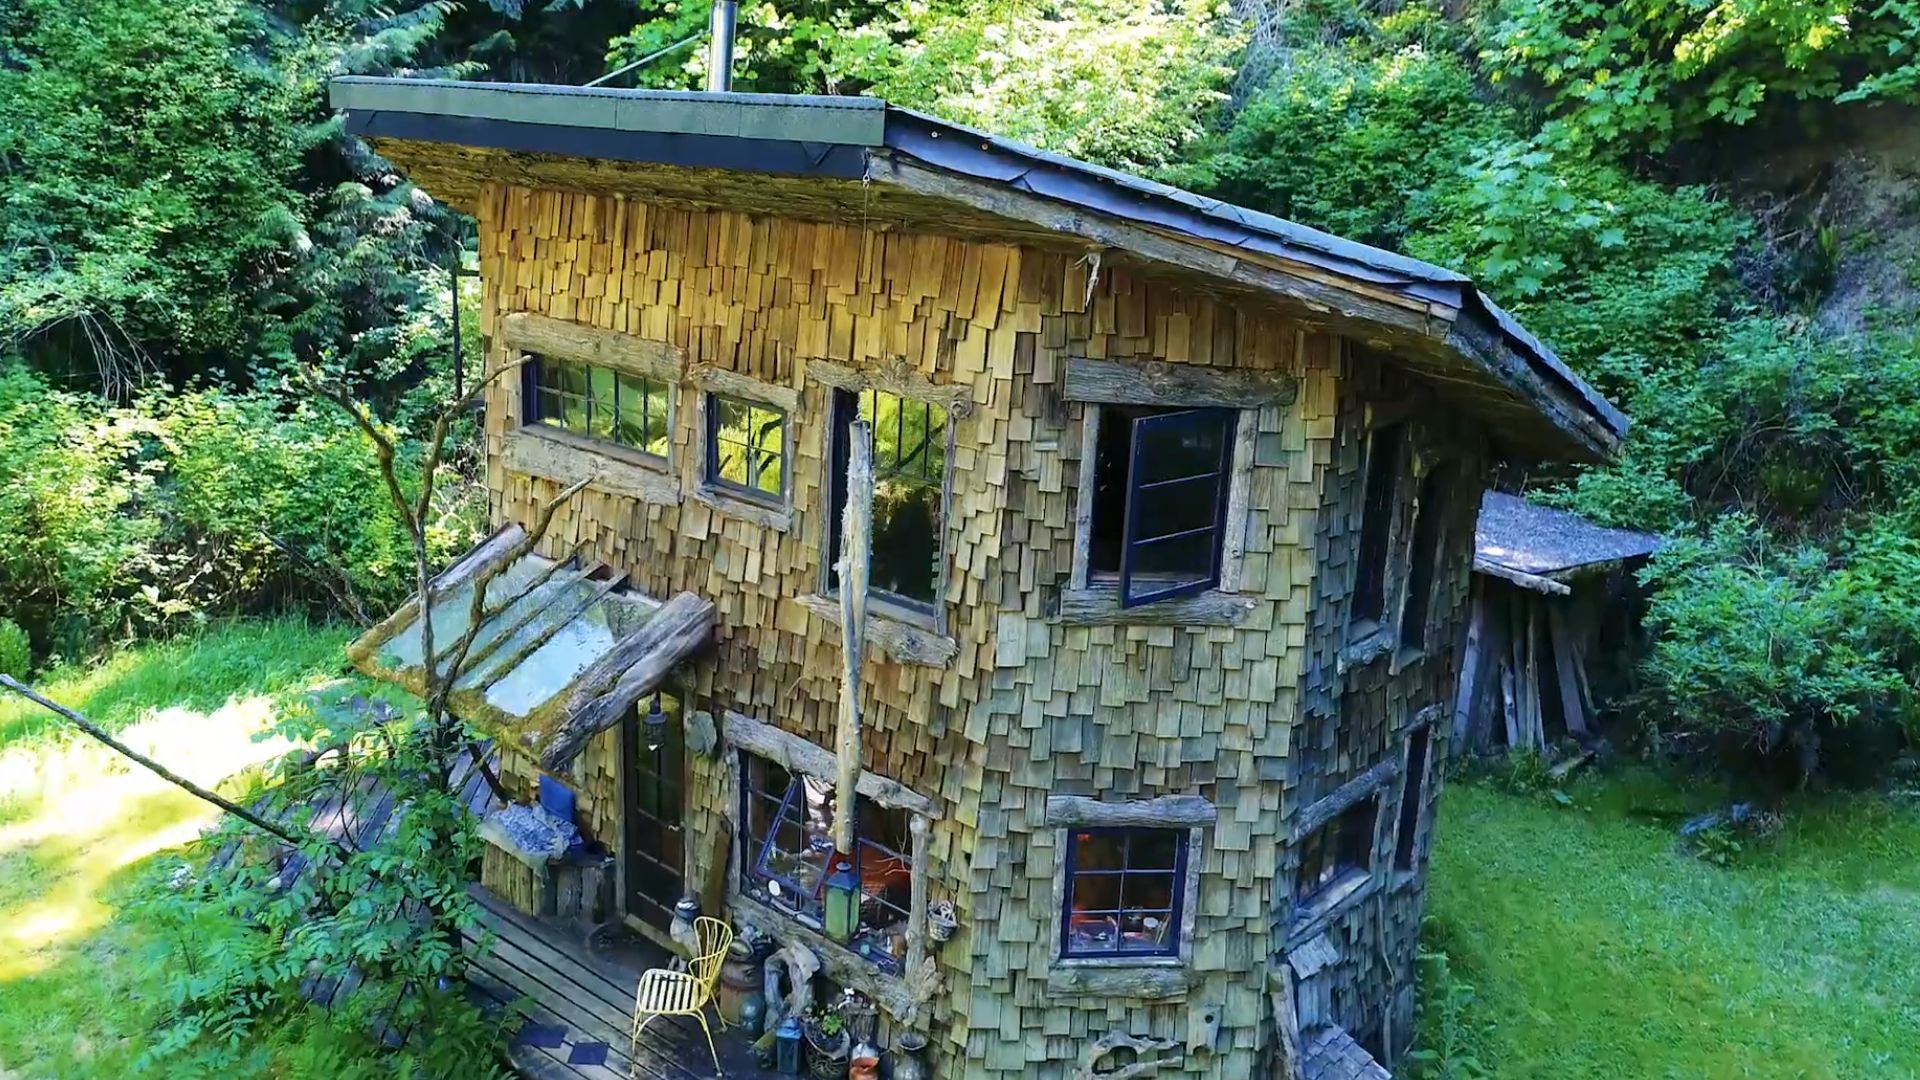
[(901, 641), (534, 333), (795, 754), (1099, 605), (1117, 382), (1168, 811), (566, 459), (681, 627), (1521, 578), (1133, 982)]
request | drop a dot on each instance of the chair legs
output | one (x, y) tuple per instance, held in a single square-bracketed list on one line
[(633, 1044)]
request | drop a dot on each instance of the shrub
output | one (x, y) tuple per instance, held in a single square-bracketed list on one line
[(16, 652), (1768, 650)]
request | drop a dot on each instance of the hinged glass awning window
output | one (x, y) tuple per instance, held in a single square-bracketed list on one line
[(562, 651)]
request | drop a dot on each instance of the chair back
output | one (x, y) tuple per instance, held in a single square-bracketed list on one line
[(714, 938)]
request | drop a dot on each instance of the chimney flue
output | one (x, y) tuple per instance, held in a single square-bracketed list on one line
[(720, 46)]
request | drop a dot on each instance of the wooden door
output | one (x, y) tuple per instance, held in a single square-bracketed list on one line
[(654, 859)]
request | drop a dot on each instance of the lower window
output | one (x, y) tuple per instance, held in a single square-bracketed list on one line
[(788, 842), (1334, 851), (1123, 892)]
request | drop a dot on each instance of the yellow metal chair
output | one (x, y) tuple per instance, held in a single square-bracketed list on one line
[(685, 993)]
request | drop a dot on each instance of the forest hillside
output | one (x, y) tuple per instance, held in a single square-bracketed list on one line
[(1706, 208)]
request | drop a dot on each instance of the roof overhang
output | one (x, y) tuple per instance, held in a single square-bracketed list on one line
[(563, 648), (1543, 549), (859, 159)]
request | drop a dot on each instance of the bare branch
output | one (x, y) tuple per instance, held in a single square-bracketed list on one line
[(331, 578)]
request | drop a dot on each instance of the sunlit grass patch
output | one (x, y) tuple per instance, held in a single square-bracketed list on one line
[(78, 823), (1597, 949)]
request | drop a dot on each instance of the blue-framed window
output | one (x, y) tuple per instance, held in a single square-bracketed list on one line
[(747, 448), (909, 493), (619, 407), (787, 841), (1124, 892), (1160, 499), (1335, 851)]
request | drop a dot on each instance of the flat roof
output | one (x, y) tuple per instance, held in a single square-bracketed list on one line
[(841, 137), (1540, 541)]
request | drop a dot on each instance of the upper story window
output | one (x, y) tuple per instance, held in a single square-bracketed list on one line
[(909, 492), (788, 842), (1386, 454), (1336, 851), (619, 407), (1428, 539), (1160, 480), (1124, 891), (747, 448)]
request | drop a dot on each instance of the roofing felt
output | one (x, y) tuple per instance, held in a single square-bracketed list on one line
[(1542, 541), (799, 133)]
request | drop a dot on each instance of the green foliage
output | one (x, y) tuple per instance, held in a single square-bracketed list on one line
[(141, 517), (147, 156), (1645, 73), (1115, 82), (1449, 1036), (1354, 143), (1771, 647), (16, 651), (242, 942)]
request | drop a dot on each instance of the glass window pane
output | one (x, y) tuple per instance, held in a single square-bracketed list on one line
[(1182, 558), (1096, 893), (1179, 506), (1099, 851), (601, 410), (1196, 444), (1153, 849), (1151, 892), (658, 413)]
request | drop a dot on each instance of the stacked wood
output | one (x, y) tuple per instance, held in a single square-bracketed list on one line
[(1524, 682)]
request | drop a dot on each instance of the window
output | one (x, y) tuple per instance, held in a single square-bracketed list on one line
[(1376, 519), (909, 492), (789, 837), (1412, 792), (1160, 499), (746, 448), (1427, 540), (600, 403), (1123, 892), (1335, 850)]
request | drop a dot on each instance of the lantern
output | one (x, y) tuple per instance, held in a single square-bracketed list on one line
[(656, 724), (843, 901), (786, 1047)]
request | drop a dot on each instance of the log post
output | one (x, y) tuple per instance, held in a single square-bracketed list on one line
[(856, 542)]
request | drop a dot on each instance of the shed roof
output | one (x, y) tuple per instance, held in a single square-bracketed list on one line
[(877, 163), (562, 649), (1518, 537)]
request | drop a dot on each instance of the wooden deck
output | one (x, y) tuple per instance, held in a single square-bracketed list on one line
[(574, 989), (571, 987)]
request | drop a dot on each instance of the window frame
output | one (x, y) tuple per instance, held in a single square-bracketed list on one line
[(1096, 596), (849, 386), (1431, 487), (534, 419), (710, 477), (1331, 839), (1141, 427), (1374, 560), (1414, 780), (754, 857), (1176, 888)]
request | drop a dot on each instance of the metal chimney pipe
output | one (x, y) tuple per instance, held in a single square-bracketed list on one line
[(720, 46)]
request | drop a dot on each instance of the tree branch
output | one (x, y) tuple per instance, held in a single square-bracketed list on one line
[(99, 734)]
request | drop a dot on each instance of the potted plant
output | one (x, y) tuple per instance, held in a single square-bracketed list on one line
[(942, 921), (827, 1042)]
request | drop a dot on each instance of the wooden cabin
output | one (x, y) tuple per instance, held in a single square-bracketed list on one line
[(1548, 592), (1172, 528)]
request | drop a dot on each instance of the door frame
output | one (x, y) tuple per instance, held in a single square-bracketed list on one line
[(680, 690)]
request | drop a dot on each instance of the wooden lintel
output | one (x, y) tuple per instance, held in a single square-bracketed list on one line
[(795, 754), (1354, 790), (1167, 811), (1119, 382), (903, 642), (1534, 582), (734, 384), (528, 332)]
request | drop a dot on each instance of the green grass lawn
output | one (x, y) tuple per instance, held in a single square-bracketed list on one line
[(77, 823), (1598, 951)]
